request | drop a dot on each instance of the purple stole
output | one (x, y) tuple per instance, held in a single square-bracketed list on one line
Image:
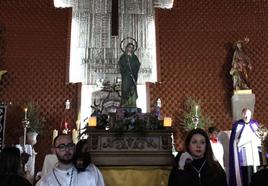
[(234, 162)]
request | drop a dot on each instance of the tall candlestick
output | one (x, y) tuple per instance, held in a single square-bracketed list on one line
[(196, 108), (24, 136)]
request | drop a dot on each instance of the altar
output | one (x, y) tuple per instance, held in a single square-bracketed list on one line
[(132, 158), (130, 147), (135, 175), (148, 148)]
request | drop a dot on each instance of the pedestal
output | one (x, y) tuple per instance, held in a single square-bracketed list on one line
[(242, 99)]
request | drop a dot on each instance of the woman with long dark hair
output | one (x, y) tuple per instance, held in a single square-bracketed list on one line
[(197, 166)]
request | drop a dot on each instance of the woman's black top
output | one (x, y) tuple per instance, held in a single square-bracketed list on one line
[(190, 175)]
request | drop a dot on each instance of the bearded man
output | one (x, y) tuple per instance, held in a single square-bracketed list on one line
[(65, 173)]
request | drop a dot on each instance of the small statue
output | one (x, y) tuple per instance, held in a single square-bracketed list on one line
[(240, 67)]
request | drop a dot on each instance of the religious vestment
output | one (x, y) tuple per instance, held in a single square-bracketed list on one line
[(243, 150), (218, 151)]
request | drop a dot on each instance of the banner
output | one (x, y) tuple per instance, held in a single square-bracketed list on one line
[(3, 110)]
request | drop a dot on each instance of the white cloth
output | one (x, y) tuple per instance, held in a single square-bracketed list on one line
[(50, 162), (218, 152), (248, 147), (90, 177)]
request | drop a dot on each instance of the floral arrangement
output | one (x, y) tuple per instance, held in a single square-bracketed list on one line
[(193, 116), (125, 121), (32, 115)]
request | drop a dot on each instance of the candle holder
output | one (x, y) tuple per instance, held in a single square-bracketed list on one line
[(195, 120), (25, 125), (65, 127), (66, 130)]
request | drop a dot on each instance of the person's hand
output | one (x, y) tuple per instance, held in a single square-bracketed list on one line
[(183, 159)]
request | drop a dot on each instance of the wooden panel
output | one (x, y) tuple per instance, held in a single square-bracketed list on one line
[(130, 148)]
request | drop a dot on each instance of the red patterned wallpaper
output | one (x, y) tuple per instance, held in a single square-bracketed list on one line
[(37, 39), (195, 54)]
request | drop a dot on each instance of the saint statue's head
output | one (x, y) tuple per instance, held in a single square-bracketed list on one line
[(239, 44), (130, 48)]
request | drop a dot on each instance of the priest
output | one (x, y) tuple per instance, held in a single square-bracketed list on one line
[(244, 150)]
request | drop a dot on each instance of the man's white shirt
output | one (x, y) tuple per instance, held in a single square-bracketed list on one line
[(90, 177)]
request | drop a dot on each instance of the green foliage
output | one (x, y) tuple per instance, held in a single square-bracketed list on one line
[(131, 122), (191, 113), (36, 122)]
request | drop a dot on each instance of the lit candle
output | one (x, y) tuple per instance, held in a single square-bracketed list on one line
[(75, 136), (196, 108), (92, 121), (158, 102), (25, 113), (54, 135), (65, 125), (167, 122), (65, 130)]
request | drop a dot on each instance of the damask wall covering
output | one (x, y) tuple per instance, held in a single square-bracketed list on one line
[(195, 55), (194, 50), (36, 55)]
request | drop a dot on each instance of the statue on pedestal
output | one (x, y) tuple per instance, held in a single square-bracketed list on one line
[(129, 67), (240, 67)]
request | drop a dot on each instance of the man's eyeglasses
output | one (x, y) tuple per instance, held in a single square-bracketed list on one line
[(63, 147)]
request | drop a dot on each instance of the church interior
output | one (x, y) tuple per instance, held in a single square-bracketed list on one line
[(194, 50)]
